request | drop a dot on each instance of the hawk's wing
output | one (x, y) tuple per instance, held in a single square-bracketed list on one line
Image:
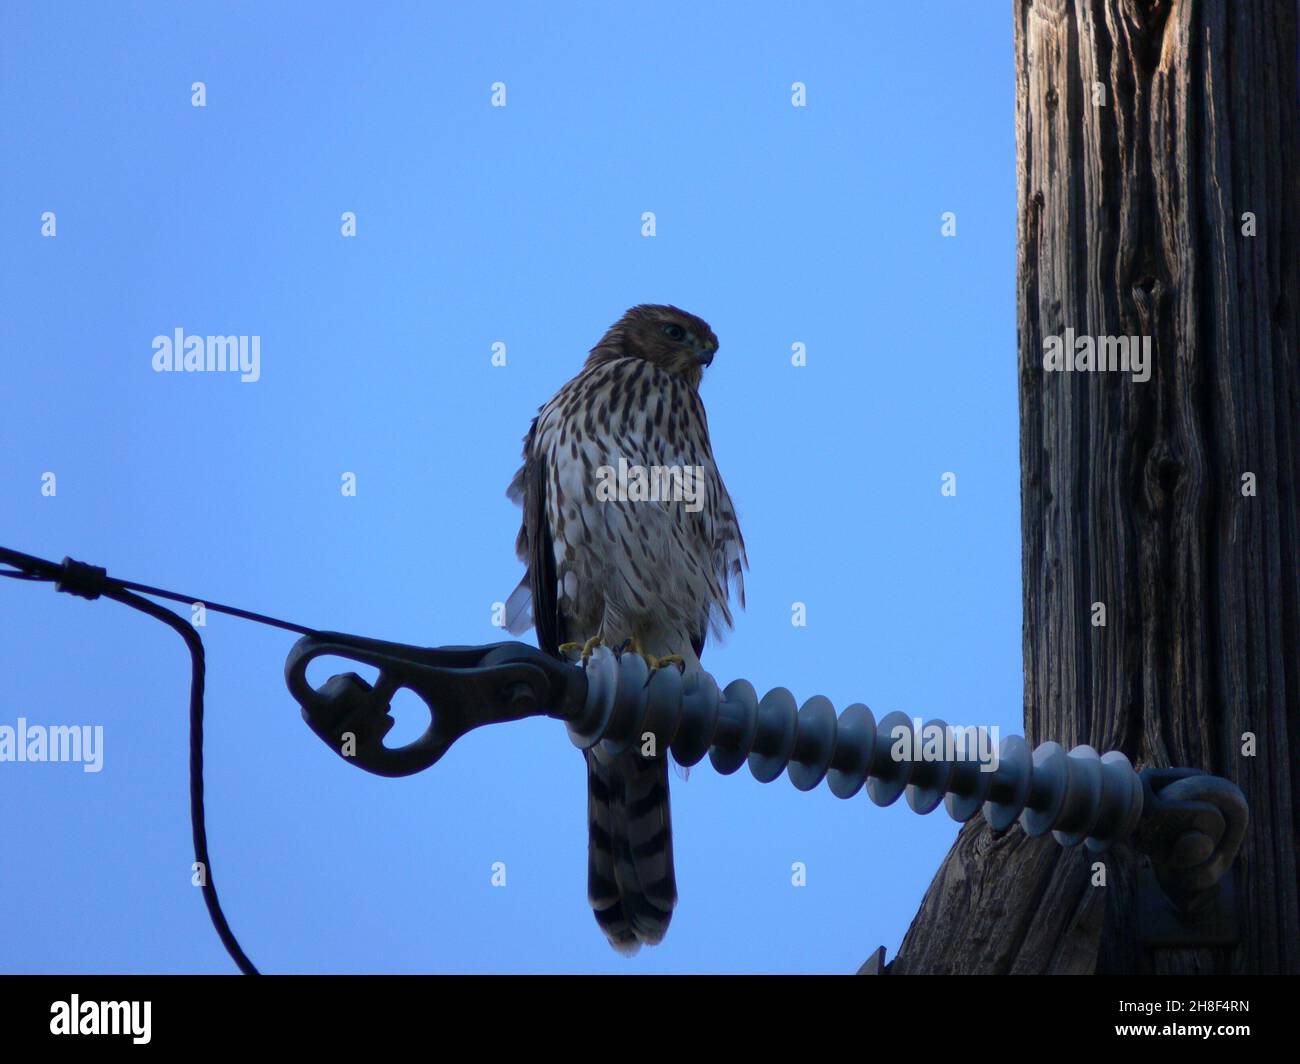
[(535, 601)]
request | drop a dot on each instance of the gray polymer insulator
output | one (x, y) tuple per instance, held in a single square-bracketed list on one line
[(1079, 796)]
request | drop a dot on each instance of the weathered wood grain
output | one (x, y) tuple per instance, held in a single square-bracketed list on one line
[(1131, 212)]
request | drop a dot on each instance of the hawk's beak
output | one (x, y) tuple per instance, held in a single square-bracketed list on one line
[(704, 356)]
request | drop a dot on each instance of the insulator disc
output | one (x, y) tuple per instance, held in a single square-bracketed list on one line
[(855, 741), (925, 798), (778, 724), (1047, 789), (1013, 775), (739, 702), (815, 741), (889, 777)]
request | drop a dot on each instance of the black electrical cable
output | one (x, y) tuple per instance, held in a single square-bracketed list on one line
[(198, 822), (234, 611), (90, 582)]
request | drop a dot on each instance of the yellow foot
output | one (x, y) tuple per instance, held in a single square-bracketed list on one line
[(582, 649), (655, 663)]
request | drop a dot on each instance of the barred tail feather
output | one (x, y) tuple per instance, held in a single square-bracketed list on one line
[(630, 878)]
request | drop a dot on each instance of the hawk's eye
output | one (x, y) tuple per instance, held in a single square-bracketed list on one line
[(674, 331)]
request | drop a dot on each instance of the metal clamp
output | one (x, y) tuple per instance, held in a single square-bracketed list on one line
[(463, 688), (1191, 835)]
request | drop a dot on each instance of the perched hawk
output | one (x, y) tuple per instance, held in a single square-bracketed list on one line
[(610, 562)]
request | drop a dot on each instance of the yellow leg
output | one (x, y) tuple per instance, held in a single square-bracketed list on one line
[(634, 644), (584, 649)]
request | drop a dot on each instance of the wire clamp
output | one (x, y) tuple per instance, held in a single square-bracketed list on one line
[(1189, 836), (462, 687), (81, 579)]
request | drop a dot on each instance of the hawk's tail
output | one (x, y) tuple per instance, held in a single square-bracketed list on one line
[(630, 879)]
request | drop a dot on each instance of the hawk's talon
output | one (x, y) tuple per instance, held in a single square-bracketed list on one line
[(655, 663), (583, 650)]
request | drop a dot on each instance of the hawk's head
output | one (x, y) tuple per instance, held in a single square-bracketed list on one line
[(672, 339)]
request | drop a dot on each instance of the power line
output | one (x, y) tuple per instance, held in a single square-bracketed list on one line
[(90, 582)]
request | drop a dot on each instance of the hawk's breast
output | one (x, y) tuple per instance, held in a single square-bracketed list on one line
[(631, 497)]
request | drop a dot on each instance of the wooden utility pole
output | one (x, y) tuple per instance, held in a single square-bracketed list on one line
[(1158, 173)]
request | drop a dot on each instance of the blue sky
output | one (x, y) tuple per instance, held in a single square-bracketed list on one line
[(477, 224)]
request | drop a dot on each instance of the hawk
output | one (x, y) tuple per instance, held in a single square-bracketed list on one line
[(646, 571)]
